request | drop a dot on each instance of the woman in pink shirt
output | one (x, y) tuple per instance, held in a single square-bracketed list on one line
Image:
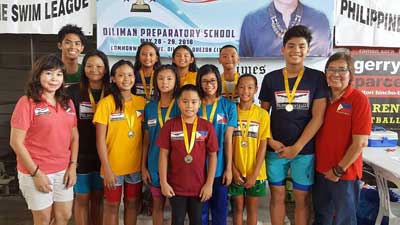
[(44, 137)]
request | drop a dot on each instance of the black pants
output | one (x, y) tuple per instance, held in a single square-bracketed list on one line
[(182, 204)]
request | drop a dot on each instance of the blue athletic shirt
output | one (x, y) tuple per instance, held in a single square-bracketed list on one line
[(287, 127), (225, 115), (152, 125)]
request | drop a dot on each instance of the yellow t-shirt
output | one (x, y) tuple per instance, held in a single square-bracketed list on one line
[(245, 157), (124, 152), (189, 78)]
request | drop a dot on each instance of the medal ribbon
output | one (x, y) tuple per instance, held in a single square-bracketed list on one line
[(160, 120), (235, 80), (130, 119), (92, 102), (245, 130), (213, 110), (186, 137), (290, 95), (147, 91)]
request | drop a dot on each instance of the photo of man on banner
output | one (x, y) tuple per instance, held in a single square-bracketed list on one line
[(270, 23)]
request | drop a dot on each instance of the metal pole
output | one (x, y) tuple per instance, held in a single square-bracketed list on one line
[(32, 52)]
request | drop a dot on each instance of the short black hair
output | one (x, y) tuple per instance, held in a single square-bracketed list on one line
[(227, 46), (247, 75), (297, 31), (206, 69), (188, 87), (71, 29)]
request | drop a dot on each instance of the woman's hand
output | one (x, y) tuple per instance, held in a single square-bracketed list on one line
[(42, 182), (70, 176)]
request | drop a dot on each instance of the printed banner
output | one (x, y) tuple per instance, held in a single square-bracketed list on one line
[(255, 27), (378, 77), (367, 23), (46, 16)]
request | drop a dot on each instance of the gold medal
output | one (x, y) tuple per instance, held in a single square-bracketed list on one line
[(291, 93), (130, 120), (188, 159), (245, 129), (189, 144), (289, 107)]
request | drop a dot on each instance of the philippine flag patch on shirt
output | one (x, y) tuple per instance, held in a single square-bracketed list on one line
[(221, 119), (344, 108), (139, 114), (201, 135)]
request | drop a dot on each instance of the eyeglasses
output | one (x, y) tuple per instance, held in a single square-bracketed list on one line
[(206, 82), (340, 71)]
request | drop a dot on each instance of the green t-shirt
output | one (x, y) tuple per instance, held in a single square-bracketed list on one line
[(73, 78)]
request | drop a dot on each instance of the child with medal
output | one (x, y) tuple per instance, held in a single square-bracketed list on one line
[(229, 58), (249, 146), (186, 142), (184, 60), (297, 96), (94, 85), (157, 112), (221, 112), (146, 61), (118, 120)]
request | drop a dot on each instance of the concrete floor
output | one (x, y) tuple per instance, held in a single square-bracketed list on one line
[(13, 211)]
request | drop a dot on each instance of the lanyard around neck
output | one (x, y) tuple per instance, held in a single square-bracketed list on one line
[(160, 120), (147, 90), (213, 110), (291, 94), (189, 146), (91, 98)]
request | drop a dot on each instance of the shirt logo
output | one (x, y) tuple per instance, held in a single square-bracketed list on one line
[(139, 114), (85, 111), (301, 100), (344, 108), (42, 111), (117, 116), (177, 135), (151, 122), (221, 119), (201, 135)]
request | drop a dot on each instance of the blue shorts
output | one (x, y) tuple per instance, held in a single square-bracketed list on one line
[(88, 182), (132, 178), (301, 170)]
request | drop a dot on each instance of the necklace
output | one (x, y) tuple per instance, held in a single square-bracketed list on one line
[(278, 29)]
